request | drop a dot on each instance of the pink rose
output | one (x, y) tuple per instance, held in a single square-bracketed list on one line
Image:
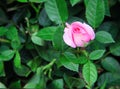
[(78, 34)]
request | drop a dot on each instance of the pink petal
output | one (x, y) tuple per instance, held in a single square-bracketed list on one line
[(78, 34), (85, 37), (67, 28), (78, 40), (89, 30), (86, 28), (76, 24), (67, 37), (68, 25)]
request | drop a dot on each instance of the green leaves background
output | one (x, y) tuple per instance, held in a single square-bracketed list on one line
[(34, 55)]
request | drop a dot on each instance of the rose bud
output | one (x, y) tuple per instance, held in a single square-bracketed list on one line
[(78, 34)]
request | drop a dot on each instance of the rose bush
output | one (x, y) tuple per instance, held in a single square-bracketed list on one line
[(59, 44), (78, 34)]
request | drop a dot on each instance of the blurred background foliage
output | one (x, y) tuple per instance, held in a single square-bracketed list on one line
[(32, 51)]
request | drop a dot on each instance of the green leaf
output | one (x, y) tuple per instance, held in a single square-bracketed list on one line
[(33, 64), (47, 33), (12, 34), (109, 26), (72, 82), (58, 42), (73, 19), (86, 2), (3, 30), (103, 85), (3, 17), (20, 15), (43, 18), (90, 73), (96, 54), (56, 10), (57, 84), (67, 63), (10, 1), (16, 84), (107, 8), (70, 56), (97, 45), (24, 71), (111, 64), (37, 40), (17, 60), (3, 48), (49, 54), (81, 59), (35, 1), (74, 2), (104, 37), (75, 10), (77, 60), (6, 55), (22, 0), (2, 86), (2, 71), (67, 81), (111, 79), (37, 80), (34, 29), (16, 44), (112, 2), (115, 49), (95, 11)]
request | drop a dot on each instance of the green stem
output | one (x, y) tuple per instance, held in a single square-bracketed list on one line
[(85, 53), (49, 73), (78, 51), (63, 25), (106, 54), (88, 87), (4, 40), (34, 7), (37, 9), (16, 8), (48, 66), (28, 27), (27, 21)]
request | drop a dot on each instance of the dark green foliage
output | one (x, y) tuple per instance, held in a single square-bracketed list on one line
[(34, 55)]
